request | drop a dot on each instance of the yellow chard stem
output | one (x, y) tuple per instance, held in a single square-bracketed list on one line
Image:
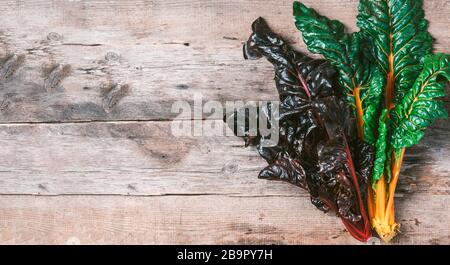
[(396, 167), (383, 214), (359, 113)]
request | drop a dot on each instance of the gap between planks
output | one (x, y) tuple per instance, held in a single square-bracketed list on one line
[(99, 121), (190, 220), (231, 195)]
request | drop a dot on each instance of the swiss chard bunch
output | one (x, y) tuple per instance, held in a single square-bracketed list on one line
[(318, 148), (392, 82)]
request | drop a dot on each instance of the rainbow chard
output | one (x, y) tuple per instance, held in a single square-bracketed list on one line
[(392, 81), (362, 81), (318, 148)]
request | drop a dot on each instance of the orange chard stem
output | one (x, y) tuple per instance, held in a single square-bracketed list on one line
[(359, 112), (390, 84), (380, 199), (390, 76), (383, 217), (381, 202), (396, 167)]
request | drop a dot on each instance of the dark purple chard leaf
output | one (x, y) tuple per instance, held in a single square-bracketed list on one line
[(364, 156), (285, 169), (340, 182), (318, 142), (298, 78)]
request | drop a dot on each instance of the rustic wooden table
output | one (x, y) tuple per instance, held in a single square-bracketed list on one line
[(87, 156)]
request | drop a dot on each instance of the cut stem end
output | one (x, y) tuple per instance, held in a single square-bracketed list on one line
[(384, 230)]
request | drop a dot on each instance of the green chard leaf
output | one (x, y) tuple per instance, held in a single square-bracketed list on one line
[(350, 54), (420, 107), (380, 149), (399, 33), (371, 100), (322, 35)]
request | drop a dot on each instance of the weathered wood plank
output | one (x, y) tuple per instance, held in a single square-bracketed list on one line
[(143, 158), (130, 60), (200, 220), (57, 66)]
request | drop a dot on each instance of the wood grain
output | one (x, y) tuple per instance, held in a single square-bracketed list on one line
[(163, 51), (143, 158), (86, 90), (199, 219), (183, 190)]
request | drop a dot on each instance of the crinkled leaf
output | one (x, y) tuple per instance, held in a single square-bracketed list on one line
[(371, 97), (363, 156), (350, 54), (420, 106), (380, 151), (322, 35), (285, 169), (298, 78), (399, 33), (313, 151)]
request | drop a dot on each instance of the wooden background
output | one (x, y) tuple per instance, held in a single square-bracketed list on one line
[(86, 152)]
